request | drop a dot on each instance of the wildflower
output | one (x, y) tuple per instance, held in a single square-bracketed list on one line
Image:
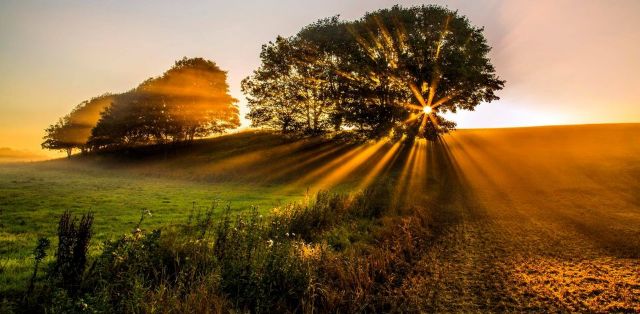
[(269, 243), (287, 234)]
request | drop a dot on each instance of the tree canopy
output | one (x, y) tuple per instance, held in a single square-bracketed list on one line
[(393, 71), (189, 100), (74, 129)]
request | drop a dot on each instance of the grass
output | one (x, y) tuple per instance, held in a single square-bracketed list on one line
[(33, 195), (531, 219)]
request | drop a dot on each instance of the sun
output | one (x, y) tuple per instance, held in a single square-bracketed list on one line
[(427, 109)]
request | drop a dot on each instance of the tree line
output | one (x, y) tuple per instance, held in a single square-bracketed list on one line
[(393, 72), (188, 101)]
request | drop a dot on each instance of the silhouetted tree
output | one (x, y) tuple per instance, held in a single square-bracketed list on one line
[(58, 137), (73, 130), (394, 70), (84, 117), (188, 101), (273, 96)]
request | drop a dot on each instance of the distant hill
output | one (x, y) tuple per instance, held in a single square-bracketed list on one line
[(11, 155)]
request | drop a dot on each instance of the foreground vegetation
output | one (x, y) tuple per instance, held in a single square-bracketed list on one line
[(298, 259), (521, 220), (32, 195)]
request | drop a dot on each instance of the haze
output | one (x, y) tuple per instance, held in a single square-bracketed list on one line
[(565, 62)]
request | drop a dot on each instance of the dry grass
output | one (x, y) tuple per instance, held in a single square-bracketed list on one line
[(549, 219)]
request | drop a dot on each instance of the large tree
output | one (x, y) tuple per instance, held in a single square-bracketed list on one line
[(392, 71)]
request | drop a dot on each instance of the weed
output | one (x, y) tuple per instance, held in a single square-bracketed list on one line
[(40, 252), (73, 245)]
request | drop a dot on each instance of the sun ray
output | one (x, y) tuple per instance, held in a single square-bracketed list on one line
[(402, 180), (443, 34), (380, 166), (287, 168), (417, 178), (412, 117), (341, 172), (442, 101), (434, 121), (324, 169), (423, 122), (412, 106), (417, 93)]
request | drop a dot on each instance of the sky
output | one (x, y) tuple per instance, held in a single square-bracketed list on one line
[(565, 61)]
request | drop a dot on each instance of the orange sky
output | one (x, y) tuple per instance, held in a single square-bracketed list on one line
[(565, 62)]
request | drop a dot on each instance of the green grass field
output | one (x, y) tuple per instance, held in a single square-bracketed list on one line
[(245, 170), (34, 195), (527, 219)]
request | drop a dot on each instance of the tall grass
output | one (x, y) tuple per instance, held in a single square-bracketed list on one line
[(284, 262)]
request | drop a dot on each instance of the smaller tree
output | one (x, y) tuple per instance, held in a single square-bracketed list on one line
[(58, 137)]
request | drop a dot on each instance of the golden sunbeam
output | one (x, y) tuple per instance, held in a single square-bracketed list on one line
[(434, 121), (385, 33), (323, 170), (380, 166), (403, 178), (363, 43), (290, 167), (423, 122), (340, 173), (412, 106), (441, 101), (412, 117), (417, 94), (442, 36), (417, 177), (434, 87), (251, 158)]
